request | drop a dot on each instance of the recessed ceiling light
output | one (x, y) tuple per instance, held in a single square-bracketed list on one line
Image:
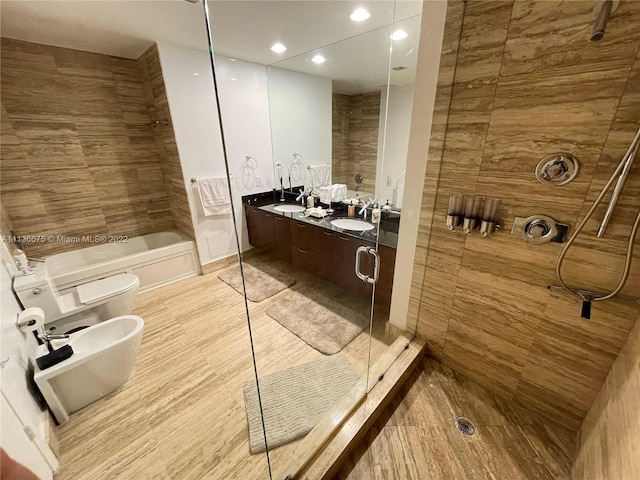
[(278, 48), (318, 59), (232, 59), (359, 15), (399, 35), (196, 74)]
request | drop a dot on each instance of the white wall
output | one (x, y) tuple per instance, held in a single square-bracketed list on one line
[(300, 119), (15, 350), (396, 142), (244, 102), (301, 109), (432, 31)]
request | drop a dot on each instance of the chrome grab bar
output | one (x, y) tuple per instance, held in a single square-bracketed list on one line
[(376, 265)]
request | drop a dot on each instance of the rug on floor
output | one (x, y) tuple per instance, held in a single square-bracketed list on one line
[(295, 400), (320, 321), (262, 281)]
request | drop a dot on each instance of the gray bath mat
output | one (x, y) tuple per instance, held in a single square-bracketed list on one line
[(321, 322), (294, 400), (261, 280)]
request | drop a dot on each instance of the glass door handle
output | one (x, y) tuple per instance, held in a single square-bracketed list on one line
[(376, 264)]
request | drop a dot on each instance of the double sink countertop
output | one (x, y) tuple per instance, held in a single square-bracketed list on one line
[(386, 235)]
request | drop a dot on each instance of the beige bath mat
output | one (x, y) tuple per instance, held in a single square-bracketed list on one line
[(294, 400), (321, 322), (262, 281)]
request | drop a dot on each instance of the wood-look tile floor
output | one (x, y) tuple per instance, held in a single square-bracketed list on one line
[(415, 438), (181, 415)]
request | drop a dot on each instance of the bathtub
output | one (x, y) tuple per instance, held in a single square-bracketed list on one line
[(157, 259)]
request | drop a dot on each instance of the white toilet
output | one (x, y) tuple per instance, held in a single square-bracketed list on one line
[(103, 335), (103, 359), (80, 306)]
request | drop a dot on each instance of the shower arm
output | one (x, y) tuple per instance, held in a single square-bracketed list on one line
[(614, 177)]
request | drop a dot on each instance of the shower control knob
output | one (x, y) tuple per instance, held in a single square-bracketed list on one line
[(36, 291), (537, 229)]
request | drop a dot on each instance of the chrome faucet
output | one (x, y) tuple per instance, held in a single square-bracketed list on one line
[(363, 210)]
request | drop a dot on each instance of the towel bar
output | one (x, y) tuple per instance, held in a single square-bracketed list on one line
[(194, 180)]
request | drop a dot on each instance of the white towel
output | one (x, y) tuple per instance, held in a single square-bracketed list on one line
[(338, 192), (214, 195), (325, 194), (320, 176)]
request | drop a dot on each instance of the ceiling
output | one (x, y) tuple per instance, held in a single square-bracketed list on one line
[(241, 29)]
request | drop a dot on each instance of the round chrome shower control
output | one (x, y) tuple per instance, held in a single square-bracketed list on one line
[(557, 169), (36, 291), (537, 229)]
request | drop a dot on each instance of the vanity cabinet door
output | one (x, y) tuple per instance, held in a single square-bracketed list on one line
[(303, 258), (385, 281), (345, 261), (283, 237), (302, 235), (261, 229), (324, 245)]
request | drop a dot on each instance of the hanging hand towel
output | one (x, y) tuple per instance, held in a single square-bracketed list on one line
[(214, 195), (320, 176)]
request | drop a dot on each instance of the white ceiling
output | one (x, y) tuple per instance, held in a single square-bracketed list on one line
[(241, 29)]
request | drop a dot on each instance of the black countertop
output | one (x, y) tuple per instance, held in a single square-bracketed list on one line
[(386, 235)]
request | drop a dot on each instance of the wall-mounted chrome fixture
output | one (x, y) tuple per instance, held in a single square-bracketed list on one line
[(602, 11), (538, 229), (455, 211), (557, 169), (472, 211), (490, 216), (618, 177)]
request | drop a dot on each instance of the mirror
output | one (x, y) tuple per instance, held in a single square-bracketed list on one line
[(348, 104)]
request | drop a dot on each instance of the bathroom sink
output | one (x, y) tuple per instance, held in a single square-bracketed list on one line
[(289, 208), (351, 224)]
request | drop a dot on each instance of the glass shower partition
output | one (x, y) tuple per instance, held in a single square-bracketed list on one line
[(304, 137)]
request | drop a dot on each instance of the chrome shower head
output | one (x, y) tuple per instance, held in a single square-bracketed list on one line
[(602, 12)]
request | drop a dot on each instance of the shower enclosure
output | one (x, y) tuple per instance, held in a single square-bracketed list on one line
[(329, 103)]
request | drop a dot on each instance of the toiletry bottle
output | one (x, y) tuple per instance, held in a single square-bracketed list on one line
[(375, 215), (310, 201), (386, 206), (351, 210)]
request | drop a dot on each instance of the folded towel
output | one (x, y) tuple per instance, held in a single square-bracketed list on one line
[(338, 192), (320, 176), (317, 212), (325, 194), (214, 195)]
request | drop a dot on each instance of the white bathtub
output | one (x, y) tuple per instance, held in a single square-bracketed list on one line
[(157, 259)]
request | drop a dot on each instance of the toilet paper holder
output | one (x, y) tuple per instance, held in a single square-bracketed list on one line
[(539, 229)]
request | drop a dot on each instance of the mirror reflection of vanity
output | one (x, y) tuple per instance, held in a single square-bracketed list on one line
[(331, 106)]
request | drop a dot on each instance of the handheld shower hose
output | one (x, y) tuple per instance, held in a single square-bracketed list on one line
[(618, 175)]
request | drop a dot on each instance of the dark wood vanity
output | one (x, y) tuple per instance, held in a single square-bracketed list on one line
[(315, 246)]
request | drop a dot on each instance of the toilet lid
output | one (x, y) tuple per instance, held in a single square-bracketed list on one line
[(107, 287)]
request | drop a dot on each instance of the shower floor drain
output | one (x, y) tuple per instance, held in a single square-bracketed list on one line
[(465, 426)]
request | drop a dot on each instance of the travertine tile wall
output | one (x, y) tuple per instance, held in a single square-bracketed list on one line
[(528, 83), (340, 140), (78, 157), (609, 436), (357, 116), (158, 107)]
